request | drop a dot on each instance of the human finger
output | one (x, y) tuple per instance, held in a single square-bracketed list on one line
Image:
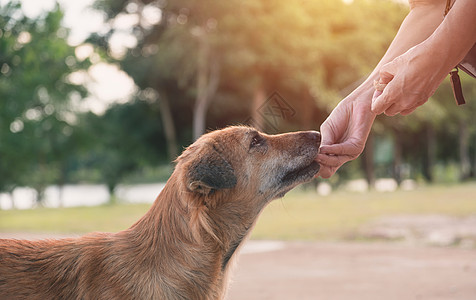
[(379, 87), (334, 150), (328, 132), (387, 73), (376, 94), (380, 99), (402, 109), (326, 172), (332, 160), (408, 111), (348, 148), (383, 102), (393, 110)]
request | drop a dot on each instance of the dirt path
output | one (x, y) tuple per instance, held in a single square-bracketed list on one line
[(343, 271), (355, 271)]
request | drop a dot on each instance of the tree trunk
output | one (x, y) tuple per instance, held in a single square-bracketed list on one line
[(397, 160), (40, 195), (61, 183), (306, 111), (207, 84), (169, 126), (464, 159), (111, 188), (473, 173), (60, 195), (367, 160), (12, 198), (430, 155), (259, 97)]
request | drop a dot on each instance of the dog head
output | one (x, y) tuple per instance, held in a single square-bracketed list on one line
[(239, 161)]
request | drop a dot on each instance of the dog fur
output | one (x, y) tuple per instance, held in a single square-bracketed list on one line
[(182, 247)]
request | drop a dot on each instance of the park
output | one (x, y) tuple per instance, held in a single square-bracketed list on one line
[(97, 100)]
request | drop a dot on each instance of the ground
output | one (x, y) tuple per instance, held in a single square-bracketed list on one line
[(279, 270), (334, 271)]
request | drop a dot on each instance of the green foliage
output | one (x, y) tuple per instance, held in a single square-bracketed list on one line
[(123, 140), (311, 52), (36, 122)]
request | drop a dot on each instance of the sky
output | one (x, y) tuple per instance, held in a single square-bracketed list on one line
[(81, 19), (107, 83)]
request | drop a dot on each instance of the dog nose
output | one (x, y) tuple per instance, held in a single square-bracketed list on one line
[(312, 135)]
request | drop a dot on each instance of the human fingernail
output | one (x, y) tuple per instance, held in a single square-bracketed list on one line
[(379, 87)]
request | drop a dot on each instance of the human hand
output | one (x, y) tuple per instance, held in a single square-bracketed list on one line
[(407, 82), (345, 132)]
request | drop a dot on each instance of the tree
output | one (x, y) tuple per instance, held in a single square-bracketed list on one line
[(124, 139), (35, 116), (239, 52), (459, 123)]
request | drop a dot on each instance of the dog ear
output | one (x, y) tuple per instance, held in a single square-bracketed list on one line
[(211, 172)]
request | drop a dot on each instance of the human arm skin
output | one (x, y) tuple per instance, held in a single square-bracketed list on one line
[(345, 131), (415, 75)]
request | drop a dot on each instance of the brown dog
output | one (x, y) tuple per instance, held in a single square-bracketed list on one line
[(182, 247)]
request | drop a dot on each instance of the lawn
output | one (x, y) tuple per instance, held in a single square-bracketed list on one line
[(301, 215)]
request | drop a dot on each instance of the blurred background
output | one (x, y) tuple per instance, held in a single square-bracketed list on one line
[(98, 97)]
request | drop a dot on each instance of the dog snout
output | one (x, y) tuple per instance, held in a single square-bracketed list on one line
[(312, 136), (306, 143)]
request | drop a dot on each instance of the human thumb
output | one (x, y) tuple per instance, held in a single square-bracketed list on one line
[(380, 100)]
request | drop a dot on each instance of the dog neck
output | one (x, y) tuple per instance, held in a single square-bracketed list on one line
[(190, 241)]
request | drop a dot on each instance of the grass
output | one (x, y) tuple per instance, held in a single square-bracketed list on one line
[(306, 216), (301, 215), (72, 220)]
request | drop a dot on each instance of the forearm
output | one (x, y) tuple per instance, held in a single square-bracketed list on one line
[(412, 78), (455, 36), (422, 20)]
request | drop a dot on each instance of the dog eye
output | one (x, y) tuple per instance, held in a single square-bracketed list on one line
[(257, 140)]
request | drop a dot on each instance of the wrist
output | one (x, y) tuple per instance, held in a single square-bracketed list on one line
[(365, 90), (361, 98), (427, 53)]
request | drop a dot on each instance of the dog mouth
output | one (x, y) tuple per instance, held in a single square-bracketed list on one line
[(297, 176), (302, 173)]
